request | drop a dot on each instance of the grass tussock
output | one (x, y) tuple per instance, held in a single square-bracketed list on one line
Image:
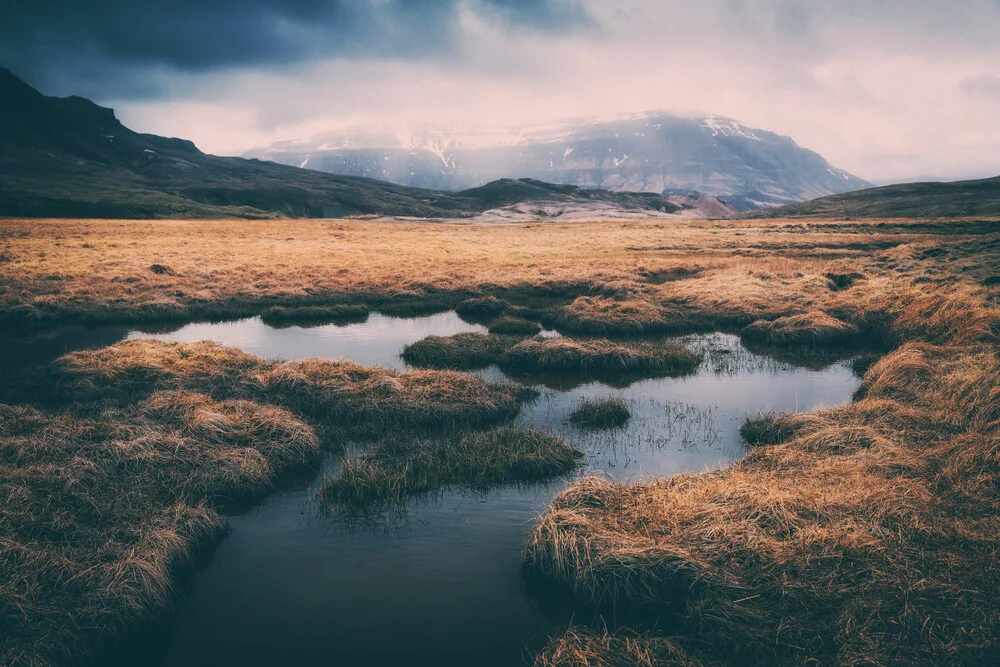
[(582, 646), (868, 533), (99, 515), (600, 356), (514, 326), (336, 393), (814, 329), (601, 413), (769, 428), (599, 316), (286, 316), (482, 309), (479, 461), (464, 351)]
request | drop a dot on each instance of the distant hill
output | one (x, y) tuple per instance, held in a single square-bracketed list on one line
[(908, 200), (653, 152), (69, 157)]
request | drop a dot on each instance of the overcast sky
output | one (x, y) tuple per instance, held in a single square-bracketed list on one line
[(888, 89)]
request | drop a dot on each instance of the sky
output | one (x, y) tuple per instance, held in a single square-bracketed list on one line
[(891, 90)]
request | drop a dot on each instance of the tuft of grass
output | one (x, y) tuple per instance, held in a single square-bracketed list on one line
[(481, 309), (464, 351), (769, 428), (578, 646), (285, 316), (867, 535), (472, 460), (99, 516), (599, 316), (515, 326), (337, 394), (600, 356), (813, 329), (602, 413)]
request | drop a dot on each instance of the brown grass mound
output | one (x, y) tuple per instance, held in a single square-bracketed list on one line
[(515, 326), (478, 460), (286, 316), (98, 516), (869, 536), (671, 274), (601, 317), (569, 355), (464, 351), (813, 329), (768, 428), (481, 309), (601, 413), (578, 647), (339, 394)]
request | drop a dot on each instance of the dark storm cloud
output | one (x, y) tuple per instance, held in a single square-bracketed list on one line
[(114, 41)]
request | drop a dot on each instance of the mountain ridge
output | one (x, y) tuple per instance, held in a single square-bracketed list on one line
[(977, 197), (69, 157), (648, 152)]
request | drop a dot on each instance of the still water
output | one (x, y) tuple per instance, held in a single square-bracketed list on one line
[(291, 586)]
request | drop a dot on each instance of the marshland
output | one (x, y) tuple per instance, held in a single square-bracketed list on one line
[(645, 442)]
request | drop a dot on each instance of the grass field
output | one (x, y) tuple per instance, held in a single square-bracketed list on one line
[(863, 534), (631, 277)]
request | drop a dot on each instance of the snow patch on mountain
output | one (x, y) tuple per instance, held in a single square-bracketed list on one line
[(728, 127), (647, 152)]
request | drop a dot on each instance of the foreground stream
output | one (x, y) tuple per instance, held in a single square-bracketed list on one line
[(441, 585)]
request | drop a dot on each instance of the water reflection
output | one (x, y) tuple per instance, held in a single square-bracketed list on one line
[(375, 342)]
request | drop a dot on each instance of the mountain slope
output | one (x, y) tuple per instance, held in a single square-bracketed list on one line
[(653, 152), (958, 199), (68, 157)]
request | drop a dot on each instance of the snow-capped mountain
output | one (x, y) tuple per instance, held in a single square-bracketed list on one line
[(653, 152)]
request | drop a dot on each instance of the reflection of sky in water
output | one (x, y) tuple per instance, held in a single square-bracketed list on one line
[(290, 586), (376, 342), (678, 424)]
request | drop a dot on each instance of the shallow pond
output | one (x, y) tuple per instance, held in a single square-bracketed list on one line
[(441, 586)]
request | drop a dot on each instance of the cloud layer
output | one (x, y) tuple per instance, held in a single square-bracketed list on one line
[(890, 90)]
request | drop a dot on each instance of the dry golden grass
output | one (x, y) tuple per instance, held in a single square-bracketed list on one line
[(869, 535), (866, 534), (770, 428), (479, 461), (615, 317), (280, 316), (599, 357), (812, 329), (98, 515), (335, 393), (720, 273), (515, 326), (581, 647), (600, 413), (464, 351), (482, 309), (101, 506)]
